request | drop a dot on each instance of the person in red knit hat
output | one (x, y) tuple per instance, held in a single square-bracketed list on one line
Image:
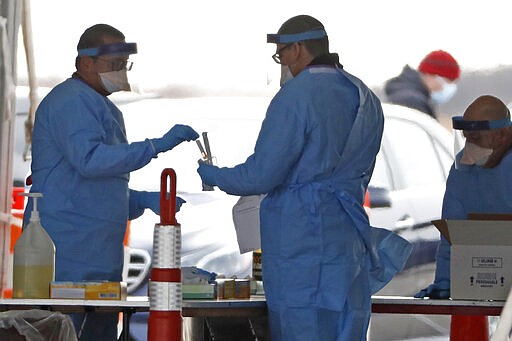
[(434, 82)]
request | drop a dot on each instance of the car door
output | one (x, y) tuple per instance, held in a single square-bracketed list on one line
[(411, 167)]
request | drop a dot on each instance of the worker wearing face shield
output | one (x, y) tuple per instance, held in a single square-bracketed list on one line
[(81, 161), (480, 181), (314, 156)]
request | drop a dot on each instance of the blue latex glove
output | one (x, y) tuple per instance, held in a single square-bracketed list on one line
[(174, 137), (208, 173), (151, 200), (433, 291)]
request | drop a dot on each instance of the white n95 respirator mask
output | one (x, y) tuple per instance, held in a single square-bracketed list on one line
[(114, 81), (475, 155)]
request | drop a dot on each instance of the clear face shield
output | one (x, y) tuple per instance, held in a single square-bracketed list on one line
[(459, 140), (467, 152), (116, 79), (289, 40)]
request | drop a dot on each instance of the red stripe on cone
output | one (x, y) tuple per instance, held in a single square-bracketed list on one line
[(166, 275), (165, 325)]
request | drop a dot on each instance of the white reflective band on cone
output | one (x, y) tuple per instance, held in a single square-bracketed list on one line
[(167, 247), (165, 296)]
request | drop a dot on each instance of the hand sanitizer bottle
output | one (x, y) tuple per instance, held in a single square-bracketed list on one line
[(34, 259)]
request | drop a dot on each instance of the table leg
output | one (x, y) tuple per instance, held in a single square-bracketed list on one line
[(127, 313)]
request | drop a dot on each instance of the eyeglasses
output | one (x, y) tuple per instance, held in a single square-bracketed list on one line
[(277, 56), (118, 65)]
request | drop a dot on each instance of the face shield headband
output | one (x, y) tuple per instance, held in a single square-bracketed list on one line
[(460, 124), (111, 49), (293, 38)]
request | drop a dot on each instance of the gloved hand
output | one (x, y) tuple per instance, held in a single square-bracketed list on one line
[(208, 173), (151, 200), (174, 137), (433, 291)]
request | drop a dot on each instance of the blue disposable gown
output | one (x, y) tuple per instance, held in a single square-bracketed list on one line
[(473, 189), (314, 157), (81, 162)]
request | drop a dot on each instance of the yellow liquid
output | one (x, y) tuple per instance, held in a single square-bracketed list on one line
[(32, 281)]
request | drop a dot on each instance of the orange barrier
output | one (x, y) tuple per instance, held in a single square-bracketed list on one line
[(126, 239), (469, 328), (366, 202), (17, 213)]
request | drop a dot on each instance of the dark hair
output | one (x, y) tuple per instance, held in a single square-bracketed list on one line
[(94, 36), (304, 23)]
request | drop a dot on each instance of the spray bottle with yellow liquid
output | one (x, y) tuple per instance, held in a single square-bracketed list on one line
[(34, 259)]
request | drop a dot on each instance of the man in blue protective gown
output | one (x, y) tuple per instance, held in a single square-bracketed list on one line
[(314, 157), (81, 160), (480, 181)]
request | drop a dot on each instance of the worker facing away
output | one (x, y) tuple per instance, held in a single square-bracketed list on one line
[(314, 156), (480, 180), (81, 161)]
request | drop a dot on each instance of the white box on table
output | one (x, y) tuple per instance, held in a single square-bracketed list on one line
[(481, 256)]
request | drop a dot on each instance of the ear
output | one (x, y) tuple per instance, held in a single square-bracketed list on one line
[(86, 64), (292, 51), (502, 137), (302, 55), (503, 142)]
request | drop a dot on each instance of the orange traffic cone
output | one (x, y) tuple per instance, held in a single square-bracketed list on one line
[(165, 322), (469, 328)]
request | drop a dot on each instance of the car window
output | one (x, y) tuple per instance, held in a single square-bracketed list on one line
[(414, 154), (445, 157), (381, 176)]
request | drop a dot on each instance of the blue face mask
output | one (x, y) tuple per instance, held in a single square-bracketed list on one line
[(445, 93)]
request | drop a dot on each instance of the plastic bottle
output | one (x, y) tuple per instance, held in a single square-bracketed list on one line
[(34, 259), (256, 265)]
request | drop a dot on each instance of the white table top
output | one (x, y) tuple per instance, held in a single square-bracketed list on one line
[(380, 304)]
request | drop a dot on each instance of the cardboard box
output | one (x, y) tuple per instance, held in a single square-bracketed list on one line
[(481, 257), (242, 289), (225, 288), (229, 288), (89, 290)]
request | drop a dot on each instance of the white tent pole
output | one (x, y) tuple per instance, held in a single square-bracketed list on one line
[(10, 13), (26, 24)]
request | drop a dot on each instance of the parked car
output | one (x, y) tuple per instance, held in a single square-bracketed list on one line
[(21, 166), (409, 179), (208, 236), (405, 192)]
